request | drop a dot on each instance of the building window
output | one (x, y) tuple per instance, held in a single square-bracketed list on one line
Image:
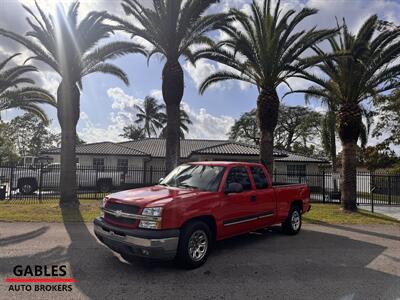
[(98, 164), (122, 165), (296, 170)]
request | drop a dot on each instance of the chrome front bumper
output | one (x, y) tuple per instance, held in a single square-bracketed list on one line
[(139, 242)]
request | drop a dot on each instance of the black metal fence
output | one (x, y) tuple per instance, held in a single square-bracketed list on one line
[(43, 182), (377, 188)]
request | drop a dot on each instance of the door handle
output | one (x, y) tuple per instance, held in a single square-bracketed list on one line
[(253, 198)]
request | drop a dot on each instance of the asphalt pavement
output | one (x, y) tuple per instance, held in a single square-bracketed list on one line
[(322, 262)]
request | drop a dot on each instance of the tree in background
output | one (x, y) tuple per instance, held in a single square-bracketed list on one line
[(363, 67), (264, 48), (71, 48), (184, 122), (133, 133), (31, 135), (297, 125), (150, 115), (245, 129), (173, 28), (297, 129), (388, 124), (8, 151), (16, 90)]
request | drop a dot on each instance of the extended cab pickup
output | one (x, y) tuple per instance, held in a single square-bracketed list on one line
[(195, 205)]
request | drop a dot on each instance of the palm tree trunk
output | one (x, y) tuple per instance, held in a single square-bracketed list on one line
[(68, 97), (349, 177), (267, 118), (332, 145), (349, 118), (172, 88)]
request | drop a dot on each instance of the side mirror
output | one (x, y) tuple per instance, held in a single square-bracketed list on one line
[(161, 179), (234, 188)]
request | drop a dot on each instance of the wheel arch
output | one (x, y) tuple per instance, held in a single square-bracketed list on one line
[(208, 219)]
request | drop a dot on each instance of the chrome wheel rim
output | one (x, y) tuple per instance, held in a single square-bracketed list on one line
[(198, 245), (295, 220), (26, 188)]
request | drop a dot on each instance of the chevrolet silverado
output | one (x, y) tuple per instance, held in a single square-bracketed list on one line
[(194, 206)]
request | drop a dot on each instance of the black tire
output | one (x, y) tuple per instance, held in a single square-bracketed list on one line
[(104, 186), (292, 224), (198, 235), (27, 186)]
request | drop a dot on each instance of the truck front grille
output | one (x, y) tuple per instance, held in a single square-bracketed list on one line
[(130, 209)]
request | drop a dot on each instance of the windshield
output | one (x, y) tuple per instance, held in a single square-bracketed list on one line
[(204, 178)]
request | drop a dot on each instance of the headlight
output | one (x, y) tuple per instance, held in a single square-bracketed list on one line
[(153, 212), (105, 199)]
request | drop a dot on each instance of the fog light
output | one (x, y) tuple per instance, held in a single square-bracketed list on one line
[(145, 252)]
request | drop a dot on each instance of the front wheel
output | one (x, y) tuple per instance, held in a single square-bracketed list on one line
[(292, 225), (194, 245)]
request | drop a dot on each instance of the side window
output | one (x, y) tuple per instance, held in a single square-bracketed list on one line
[(239, 175), (259, 178)]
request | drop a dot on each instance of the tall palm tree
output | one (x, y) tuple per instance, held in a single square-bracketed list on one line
[(151, 115), (172, 27), (329, 124), (17, 91), (265, 49), (71, 49), (363, 67), (184, 122)]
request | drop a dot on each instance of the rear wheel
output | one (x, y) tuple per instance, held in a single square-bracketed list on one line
[(194, 245), (104, 186), (27, 186), (292, 224)]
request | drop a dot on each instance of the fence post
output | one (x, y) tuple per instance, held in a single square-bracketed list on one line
[(323, 186), (151, 174), (97, 178), (275, 175), (372, 189), (40, 182), (11, 182), (390, 189), (144, 174)]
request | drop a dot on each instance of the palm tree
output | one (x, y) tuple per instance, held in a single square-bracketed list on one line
[(363, 67), (266, 49), (27, 97), (184, 122), (133, 133), (172, 28), (150, 115), (329, 124), (71, 49)]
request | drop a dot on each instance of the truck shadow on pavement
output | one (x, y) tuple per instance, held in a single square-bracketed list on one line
[(311, 265)]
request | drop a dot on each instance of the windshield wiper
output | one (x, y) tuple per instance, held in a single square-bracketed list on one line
[(187, 186), (164, 184)]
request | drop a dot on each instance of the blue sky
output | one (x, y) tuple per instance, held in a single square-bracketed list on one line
[(107, 104)]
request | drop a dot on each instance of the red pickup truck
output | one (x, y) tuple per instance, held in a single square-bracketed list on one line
[(195, 205)]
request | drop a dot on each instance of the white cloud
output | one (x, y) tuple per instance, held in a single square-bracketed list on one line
[(157, 94), (201, 71), (122, 101), (205, 125)]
